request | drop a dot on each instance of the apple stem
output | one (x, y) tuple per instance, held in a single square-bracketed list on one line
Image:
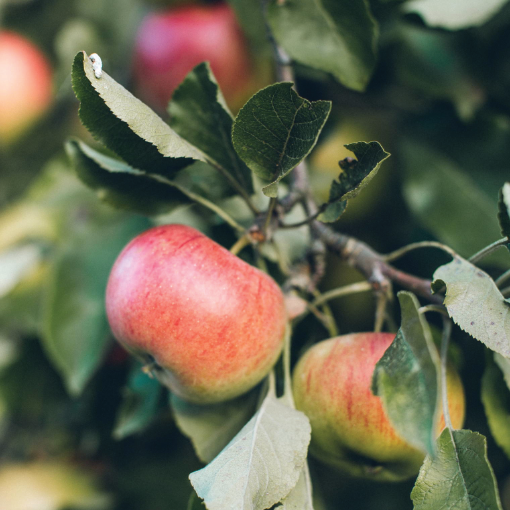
[(447, 329), (241, 243)]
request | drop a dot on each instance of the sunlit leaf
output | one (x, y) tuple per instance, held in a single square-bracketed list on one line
[(335, 37), (407, 378), (261, 465), (459, 477), (354, 176), (211, 427), (275, 130), (475, 303), (199, 114), (300, 497), (451, 15), (139, 404), (126, 125), (496, 402)]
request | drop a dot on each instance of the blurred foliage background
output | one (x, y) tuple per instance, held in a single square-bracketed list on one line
[(80, 424)]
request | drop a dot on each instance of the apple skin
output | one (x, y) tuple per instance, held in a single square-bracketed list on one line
[(25, 87), (170, 43), (350, 429), (213, 325)]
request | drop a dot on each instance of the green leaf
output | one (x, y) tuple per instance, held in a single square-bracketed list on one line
[(504, 209), (275, 130), (139, 404), (261, 465), (475, 303), (212, 427), (126, 125), (450, 15), (199, 114), (300, 497), (75, 329), (355, 175), (336, 37), (496, 402), (459, 477), (16, 263), (121, 185), (407, 378), (449, 203), (504, 365)]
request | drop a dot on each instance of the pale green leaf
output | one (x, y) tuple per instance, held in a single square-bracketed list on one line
[(407, 378), (335, 37), (126, 125), (212, 427), (354, 176), (459, 477), (475, 303), (261, 465), (451, 15), (504, 365), (275, 130), (496, 402), (139, 404), (199, 114), (300, 497)]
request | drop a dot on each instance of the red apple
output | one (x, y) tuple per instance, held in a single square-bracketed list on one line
[(25, 85), (212, 324), (350, 429), (170, 43)]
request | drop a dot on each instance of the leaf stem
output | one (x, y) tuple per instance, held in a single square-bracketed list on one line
[(394, 255), (235, 184), (342, 291), (302, 223), (287, 379), (447, 329), (269, 213), (434, 308), (488, 250), (202, 201), (502, 278)]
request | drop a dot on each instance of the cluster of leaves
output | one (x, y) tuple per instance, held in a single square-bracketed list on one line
[(163, 167)]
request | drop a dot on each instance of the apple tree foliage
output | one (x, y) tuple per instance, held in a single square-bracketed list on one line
[(428, 80)]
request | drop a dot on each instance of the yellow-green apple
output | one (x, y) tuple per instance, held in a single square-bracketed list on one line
[(211, 324), (25, 87), (350, 429), (171, 42)]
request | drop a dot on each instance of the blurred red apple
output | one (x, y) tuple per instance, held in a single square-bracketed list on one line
[(350, 429), (25, 85), (170, 43), (211, 324)]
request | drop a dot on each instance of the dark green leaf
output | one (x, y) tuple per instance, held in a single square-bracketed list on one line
[(504, 365), (447, 14), (75, 329), (355, 175), (448, 203), (120, 184), (212, 427), (407, 378), (199, 114), (459, 477), (261, 465), (139, 405), (275, 130), (496, 402), (504, 209), (126, 125), (335, 37), (475, 303)]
